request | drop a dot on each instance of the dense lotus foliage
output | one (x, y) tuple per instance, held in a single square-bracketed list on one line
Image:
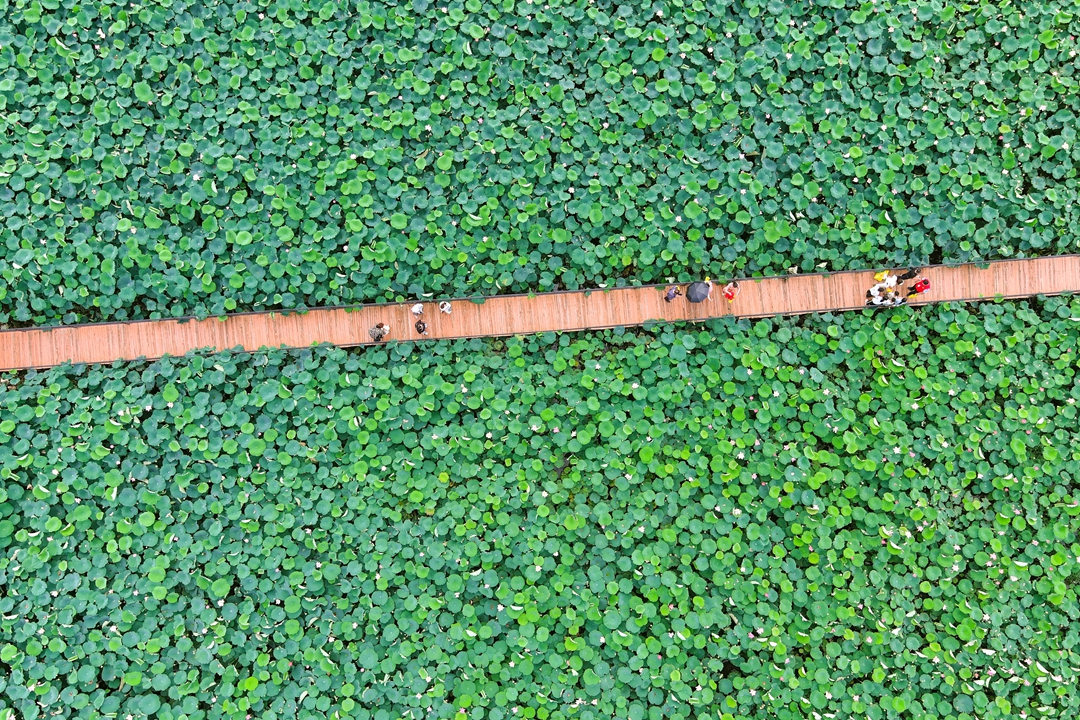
[(187, 157), (872, 515)]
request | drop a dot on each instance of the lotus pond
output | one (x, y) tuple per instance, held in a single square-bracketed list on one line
[(872, 515), (182, 157)]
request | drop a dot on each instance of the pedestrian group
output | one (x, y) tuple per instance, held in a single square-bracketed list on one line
[(701, 291), (888, 291), (381, 330)]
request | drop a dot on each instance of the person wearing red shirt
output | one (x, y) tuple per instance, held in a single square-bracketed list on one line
[(921, 286)]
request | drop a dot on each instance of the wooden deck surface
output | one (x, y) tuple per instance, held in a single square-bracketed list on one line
[(515, 314)]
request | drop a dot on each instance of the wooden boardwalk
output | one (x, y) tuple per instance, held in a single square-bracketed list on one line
[(515, 314)]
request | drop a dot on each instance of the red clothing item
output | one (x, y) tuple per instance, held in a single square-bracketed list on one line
[(922, 285)]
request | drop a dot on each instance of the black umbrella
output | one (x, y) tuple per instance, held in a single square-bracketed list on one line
[(699, 291)]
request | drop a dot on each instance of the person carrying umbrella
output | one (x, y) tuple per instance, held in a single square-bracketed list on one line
[(699, 291)]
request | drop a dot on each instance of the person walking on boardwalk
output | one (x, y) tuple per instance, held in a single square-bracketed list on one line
[(731, 291), (444, 307), (421, 327), (699, 291), (379, 332), (418, 310), (921, 286), (672, 293)]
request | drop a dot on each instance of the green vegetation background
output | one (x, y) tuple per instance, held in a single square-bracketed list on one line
[(872, 515), (195, 158)]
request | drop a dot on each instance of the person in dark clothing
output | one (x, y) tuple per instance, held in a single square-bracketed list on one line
[(911, 274), (379, 332), (421, 327), (672, 293)]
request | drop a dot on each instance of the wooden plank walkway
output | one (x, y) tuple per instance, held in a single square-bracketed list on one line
[(515, 314)]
